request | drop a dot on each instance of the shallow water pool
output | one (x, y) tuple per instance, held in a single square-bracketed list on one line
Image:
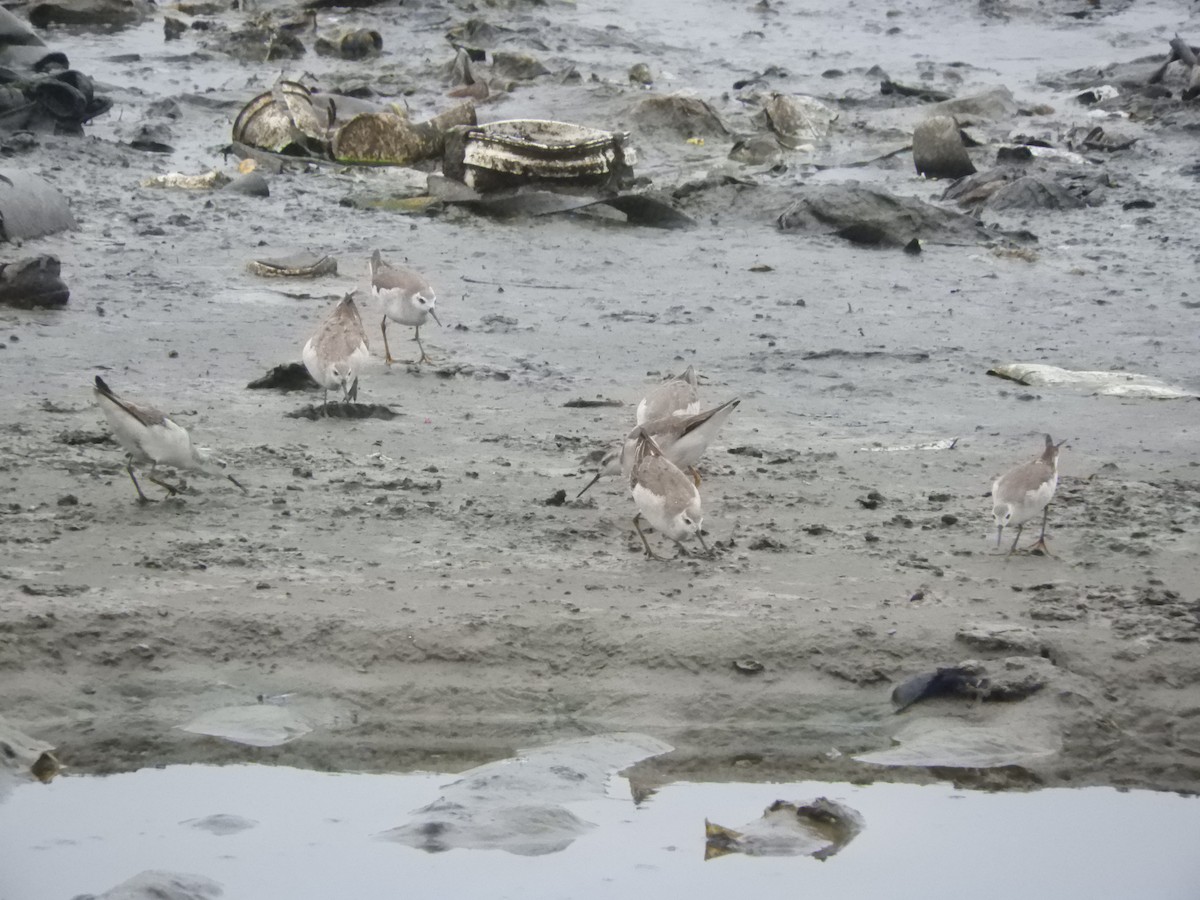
[(300, 834)]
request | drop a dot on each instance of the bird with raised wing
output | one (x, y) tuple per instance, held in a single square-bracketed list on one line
[(681, 439), (676, 396), (665, 496)]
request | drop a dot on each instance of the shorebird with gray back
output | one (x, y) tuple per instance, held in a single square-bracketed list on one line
[(335, 354), (1020, 494), (408, 299), (149, 436), (665, 497), (677, 396), (681, 439)]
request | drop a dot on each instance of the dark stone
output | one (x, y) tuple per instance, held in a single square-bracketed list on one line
[(343, 411), (285, 377), (32, 283), (94, 13), (938, 150)]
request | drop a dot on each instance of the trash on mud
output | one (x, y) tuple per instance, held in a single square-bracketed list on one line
[(292, 120), (23, 758), (1009, 679), (32, 283), (155, 884), (58, 102), (297, 265), (938, 149), (951, 681), (945, 444), (344, 410), (260, 725), (1108, 384), (954, 743), (30, 207), (518, 805), (872, 217), (285, 377), (819, 828), (389, 138), (209, 181), (748, 666), (516, 152)]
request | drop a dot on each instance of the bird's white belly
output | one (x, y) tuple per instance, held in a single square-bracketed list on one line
[(404, 312)]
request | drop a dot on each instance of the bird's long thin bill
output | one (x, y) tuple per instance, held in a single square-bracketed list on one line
[(700, 538), (435, 318), (999, 534), (595, 478), (238, 483)]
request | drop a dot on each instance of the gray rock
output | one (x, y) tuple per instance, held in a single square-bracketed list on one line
[(873, 217), (252, 184), (517, 66), (1032, 192), (990, 106), (938, 150), (686, 116)]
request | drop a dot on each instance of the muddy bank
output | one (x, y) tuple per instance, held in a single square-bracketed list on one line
[(406, 583)]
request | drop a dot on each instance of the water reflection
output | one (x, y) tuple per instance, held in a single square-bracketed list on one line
[(303, 834)]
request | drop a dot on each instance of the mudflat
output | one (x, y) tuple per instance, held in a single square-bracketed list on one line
[(425, 590)]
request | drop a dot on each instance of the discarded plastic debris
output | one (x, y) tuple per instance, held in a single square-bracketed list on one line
[(1109, 384), (519, 151), (262, 725), (207, 182), (818, 828), (297, 265), (292, 120)]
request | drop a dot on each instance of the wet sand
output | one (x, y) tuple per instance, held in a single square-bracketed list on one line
[(405, 580)]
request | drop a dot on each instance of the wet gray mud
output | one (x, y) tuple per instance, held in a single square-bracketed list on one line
[(406, 581)]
